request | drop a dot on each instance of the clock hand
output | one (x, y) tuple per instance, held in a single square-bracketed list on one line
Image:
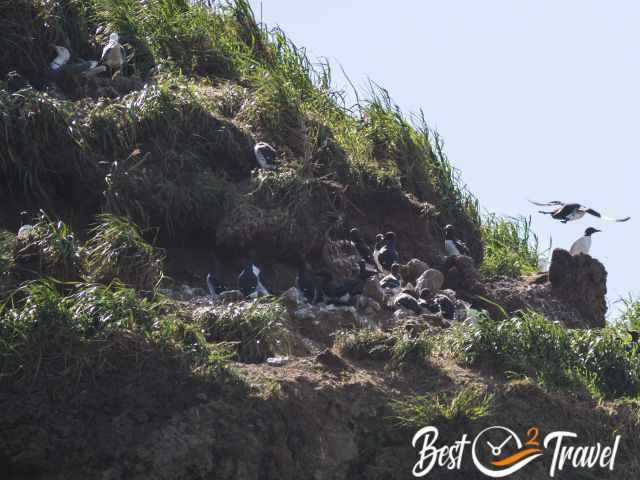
[(505, 442)]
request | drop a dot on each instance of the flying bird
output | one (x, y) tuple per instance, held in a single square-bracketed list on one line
[(583, 244), (567, 212)]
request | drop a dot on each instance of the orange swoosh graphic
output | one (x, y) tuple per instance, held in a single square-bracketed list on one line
[(516, 457)]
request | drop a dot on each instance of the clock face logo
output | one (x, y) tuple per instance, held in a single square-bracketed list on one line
[(498, 451)]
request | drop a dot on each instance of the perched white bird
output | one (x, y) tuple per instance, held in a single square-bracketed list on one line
[(25, 231), (63, 57), (261, 290), (583, 244), (113, 55), (265, 155), (250, 283)]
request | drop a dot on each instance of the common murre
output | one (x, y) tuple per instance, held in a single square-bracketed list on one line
[(452, 245), (567, 212), (265, 155)]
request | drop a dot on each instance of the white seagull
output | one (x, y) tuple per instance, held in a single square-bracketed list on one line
[(583, 244)]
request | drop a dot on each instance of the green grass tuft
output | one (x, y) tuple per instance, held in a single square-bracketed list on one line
[(364, 344), (118, 251), (631, 312), (397, 348), (510, 247), (468, 405), (51, 249), (599, 360), (256, 328)]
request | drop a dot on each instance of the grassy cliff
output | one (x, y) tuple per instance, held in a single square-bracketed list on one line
[(131, 183)]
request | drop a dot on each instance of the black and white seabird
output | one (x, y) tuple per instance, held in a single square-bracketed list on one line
[(62, 57), (361, 246), (438, 304), (25, 228), (634, 345), (388, 254), (355, 284), (567, 212), (583, 244), (333, 292), (249, 282), (307, 283), (113, 54), (16, 82), (408, 302), (452, 245), (393, 280), (265, 155), (214, 285), (376, 250), (340, 293)]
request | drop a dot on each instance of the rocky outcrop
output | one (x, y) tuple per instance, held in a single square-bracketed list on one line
[(431, 279), (580, 281), (413, 269), (572, 293), (462, 274)]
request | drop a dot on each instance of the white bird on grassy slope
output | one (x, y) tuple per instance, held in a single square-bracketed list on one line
[(583, 244), (63, 57), (265, 155), (113, 55)]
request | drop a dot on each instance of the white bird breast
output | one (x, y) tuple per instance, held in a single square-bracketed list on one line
[(450, 248), (582, 245)]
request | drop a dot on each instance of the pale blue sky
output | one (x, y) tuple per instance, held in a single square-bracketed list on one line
[(534, 99)]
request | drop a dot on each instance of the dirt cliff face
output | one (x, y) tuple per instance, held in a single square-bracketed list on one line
[(297, 421)]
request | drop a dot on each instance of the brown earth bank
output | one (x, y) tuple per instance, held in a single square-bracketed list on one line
[(301, 420)]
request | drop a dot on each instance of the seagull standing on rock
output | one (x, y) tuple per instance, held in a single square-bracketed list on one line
[(583, 244)]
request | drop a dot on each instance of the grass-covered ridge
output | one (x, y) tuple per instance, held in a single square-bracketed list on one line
[(600, 361), (165, 155)]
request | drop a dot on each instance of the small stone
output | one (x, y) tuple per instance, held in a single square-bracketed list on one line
[(413, 269), (202, 397), (332, 361), (372, 289), (293, 297), (277, 361), (231, 296), (430, 279)]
